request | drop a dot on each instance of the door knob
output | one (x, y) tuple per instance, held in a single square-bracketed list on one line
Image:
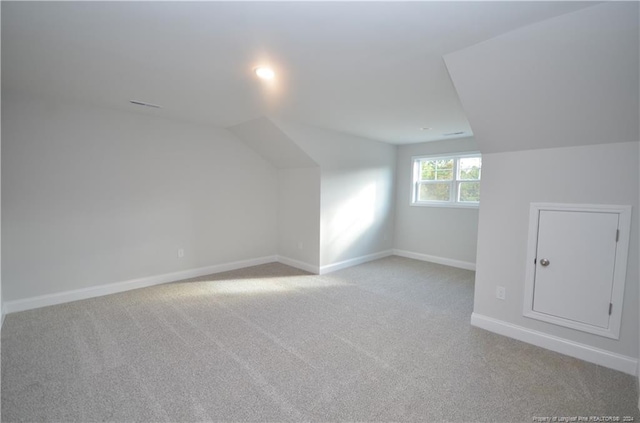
[(544, 262)]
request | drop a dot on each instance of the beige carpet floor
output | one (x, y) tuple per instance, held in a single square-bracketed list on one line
[(388, 340)]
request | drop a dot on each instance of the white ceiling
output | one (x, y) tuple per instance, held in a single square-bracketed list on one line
[(372, 69)]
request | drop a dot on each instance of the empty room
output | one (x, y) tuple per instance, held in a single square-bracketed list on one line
[(320, 211)]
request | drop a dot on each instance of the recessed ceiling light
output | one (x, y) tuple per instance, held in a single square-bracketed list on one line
[(264, 72), (426, 128)]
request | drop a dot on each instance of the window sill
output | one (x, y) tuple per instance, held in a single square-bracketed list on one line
[(447, 205)]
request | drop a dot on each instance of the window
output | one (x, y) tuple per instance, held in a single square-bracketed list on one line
[(447, 181)]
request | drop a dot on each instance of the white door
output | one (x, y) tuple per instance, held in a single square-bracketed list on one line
[(574, 265)]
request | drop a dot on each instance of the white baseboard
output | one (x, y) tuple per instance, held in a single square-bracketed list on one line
[(353, 262), (112, 288), (584, 352), (299, 264), (435, 259)]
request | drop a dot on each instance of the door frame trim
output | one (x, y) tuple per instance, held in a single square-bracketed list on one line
[(619, 275)]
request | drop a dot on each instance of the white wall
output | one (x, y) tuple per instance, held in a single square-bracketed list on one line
[(549, 104), (299, 215), (266, 139), (1, 306), (600, 174), (356, 212), (448, 233), (93, 196), (357, 191), (1, 298), (298, 191)]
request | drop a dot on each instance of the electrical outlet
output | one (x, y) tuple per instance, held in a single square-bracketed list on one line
[(501, 292), (180, 252)]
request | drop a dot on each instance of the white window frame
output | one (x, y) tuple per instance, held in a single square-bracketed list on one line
[(455, 182)]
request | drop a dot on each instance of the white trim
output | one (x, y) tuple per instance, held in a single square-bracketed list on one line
[(112, 288), (620, 267), (353, 262), (584, 352), (435, 259), (299, 264), (471, 153), (458, 205)]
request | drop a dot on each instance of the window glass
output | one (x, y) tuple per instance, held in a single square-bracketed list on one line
[(437, 170), (469, 192), (435, 192), (447, 180), (469, 168)]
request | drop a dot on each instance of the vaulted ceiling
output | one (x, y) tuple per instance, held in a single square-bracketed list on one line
[(372, 69)]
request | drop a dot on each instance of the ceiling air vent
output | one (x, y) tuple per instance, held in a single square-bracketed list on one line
[(142, 103), (453, 133)]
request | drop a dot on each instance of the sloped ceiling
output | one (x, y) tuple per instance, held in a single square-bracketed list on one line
[(372, 69), (272, 144), (571, 80)]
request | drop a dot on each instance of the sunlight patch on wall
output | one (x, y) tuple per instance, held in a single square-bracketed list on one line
[(353, 218)]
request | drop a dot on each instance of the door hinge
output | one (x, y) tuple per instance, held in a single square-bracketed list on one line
[(535, 260), (610, 308), (617, 234)]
